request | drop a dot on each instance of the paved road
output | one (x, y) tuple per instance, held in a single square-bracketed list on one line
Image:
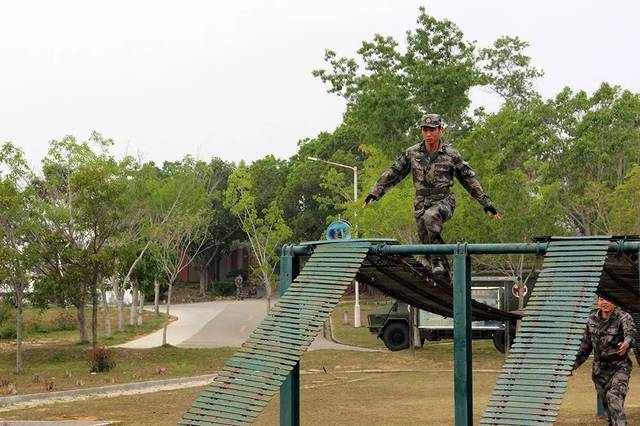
[(217, 324)]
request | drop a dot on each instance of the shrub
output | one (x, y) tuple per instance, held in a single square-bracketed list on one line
[(64, 321), (101, 359), (40, 327), (8, 330), (224, 288), (6, 312)]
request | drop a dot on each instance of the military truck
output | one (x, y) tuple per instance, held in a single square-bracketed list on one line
[(391, 323)]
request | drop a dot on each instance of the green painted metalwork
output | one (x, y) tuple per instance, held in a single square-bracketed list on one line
[(463, 379), (290, 389), (531, 385), (544, 350), (268, 361)]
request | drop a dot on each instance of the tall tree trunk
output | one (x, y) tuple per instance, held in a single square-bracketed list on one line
[(267, 291), (94, 314), (166, 320), (134, 303), (105, 311), (19, 292), (156, 297), (140, 306), (82, 320), (120, 303), (203, 282)]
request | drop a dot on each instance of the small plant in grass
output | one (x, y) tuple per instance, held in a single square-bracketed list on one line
[(101, 360)]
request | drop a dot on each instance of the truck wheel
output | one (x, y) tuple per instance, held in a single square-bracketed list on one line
[(396, 336)]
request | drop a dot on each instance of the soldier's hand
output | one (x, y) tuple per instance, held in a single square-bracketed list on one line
[(370, 198), (623, 347), (490, 210)]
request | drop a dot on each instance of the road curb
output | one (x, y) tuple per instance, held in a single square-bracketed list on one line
[(9, 400)]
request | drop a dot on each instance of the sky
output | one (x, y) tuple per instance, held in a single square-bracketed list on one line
[(233, 79)]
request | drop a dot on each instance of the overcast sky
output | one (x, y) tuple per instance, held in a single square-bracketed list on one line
[(233, 78)]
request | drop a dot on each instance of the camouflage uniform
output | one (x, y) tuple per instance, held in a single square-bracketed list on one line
[(610, 372), (238, 282), (433, 175)]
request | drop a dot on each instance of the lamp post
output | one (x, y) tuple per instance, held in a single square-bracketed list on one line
[(356, 308)]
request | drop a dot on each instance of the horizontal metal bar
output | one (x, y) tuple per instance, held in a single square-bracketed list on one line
[(470, 248)]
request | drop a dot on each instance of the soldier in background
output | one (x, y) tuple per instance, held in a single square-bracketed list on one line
[(434, 165), (610, 333), (238, 283)]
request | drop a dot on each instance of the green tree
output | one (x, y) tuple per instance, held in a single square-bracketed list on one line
[(223, 227), (596, 144), (386, 90), (83, 212), (508, 71), (182, 237), (17, 231), (265, 229), (623, 205)]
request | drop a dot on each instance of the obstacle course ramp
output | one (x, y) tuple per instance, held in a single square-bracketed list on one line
[(406, 279), (255, 373), (530, 388)]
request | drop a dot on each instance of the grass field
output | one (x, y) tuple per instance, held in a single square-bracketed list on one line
[(51, 352), (347, 334), (414, 389), (340, 397), (132, 365), (58, 326)]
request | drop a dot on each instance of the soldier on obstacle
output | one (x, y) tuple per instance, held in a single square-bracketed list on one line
[(610, 333), (434, 165)]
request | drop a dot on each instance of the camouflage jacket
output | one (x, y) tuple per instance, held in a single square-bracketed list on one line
[(433, 174), (602, 336)]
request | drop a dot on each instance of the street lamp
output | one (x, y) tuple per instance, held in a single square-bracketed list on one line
[(356, 308)]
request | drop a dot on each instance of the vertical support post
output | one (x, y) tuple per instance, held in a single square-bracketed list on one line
[(357, 323), (290, 389), (463, 384), (599, 408)]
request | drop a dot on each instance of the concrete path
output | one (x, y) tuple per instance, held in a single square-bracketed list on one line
[(16, 402), (56, 423), (191, 318), (218, 324)]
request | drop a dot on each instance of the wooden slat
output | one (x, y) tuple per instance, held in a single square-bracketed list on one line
[(544, 350), (256, 372)]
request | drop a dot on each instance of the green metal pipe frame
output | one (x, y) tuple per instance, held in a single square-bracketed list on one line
[(290, 389), (470, 248), (463, 376)]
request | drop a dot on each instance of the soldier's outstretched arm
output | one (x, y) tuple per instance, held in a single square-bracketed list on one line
[(586, 346), (467, 178), (629, 331), (398, 171)]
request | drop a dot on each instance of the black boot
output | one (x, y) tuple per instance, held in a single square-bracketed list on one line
[(438, 265)]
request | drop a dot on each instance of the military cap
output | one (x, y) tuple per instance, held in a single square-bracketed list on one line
[(431, 120)]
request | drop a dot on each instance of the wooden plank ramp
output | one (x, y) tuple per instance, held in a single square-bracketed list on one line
[(255, 373), (534, 377)]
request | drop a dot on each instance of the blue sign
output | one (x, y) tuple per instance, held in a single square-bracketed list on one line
[(339, 230)]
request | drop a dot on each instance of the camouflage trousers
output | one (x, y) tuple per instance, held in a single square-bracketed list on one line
[(612, 381), (430, 217)]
